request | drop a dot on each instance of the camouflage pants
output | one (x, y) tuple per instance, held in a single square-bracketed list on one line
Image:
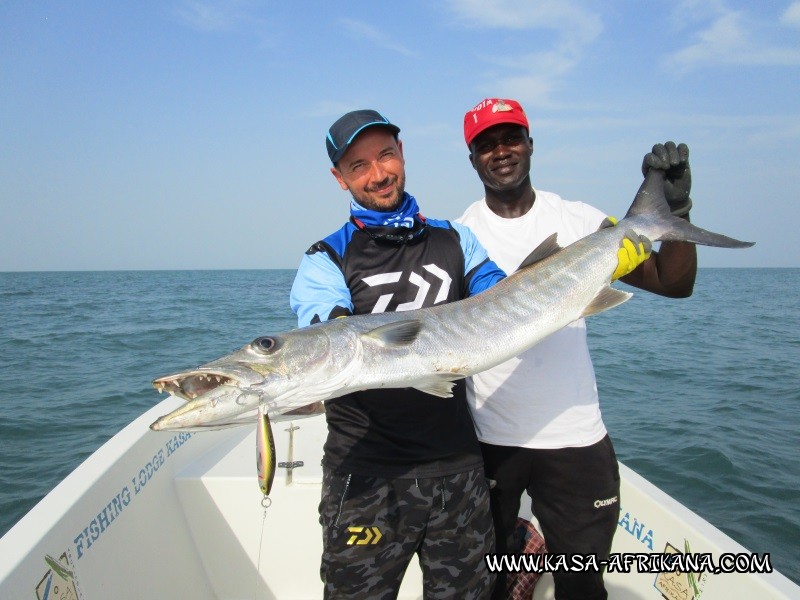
[(372, 527)]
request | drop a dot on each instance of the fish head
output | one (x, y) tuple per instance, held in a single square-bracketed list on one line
[(275, 372)]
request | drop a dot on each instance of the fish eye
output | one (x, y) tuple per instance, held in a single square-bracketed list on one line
[(265, 344)]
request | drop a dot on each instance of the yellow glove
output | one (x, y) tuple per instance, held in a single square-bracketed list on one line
[(607, 222), (634, 250)]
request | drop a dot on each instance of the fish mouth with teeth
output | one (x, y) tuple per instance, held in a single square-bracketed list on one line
[(232, 393), (208, 389), (194, 384)]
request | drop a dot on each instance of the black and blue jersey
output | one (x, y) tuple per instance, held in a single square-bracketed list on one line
[(358, 270)]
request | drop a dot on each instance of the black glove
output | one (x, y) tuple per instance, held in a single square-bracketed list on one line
[(674, 161)]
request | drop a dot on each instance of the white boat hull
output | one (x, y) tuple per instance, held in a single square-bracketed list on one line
[(159, 515)]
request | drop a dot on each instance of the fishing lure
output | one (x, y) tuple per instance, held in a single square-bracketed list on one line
[(265, 453), (265, 464)]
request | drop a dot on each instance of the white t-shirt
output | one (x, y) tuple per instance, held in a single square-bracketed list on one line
[(547, 396)]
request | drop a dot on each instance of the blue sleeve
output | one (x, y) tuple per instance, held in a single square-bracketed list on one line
[(319, 289), (480, 272)]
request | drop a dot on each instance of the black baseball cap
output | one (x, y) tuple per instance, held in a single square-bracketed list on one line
[(347, 127)]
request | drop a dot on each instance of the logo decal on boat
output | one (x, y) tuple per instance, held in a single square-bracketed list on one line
[(637, 529), (362, 536), (678, 585), (59, 582)]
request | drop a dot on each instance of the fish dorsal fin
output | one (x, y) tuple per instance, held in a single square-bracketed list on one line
[(544, 250), (399, 333), (606, 298), (441, 387)]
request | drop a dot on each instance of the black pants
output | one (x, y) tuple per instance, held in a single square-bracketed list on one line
[(575, 497)]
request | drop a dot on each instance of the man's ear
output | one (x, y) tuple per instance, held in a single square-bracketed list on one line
[(338, 175)]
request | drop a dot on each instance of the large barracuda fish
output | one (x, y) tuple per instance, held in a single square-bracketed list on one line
[(429, 348)]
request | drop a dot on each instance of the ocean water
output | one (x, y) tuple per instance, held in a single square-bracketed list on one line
[(701, 396)]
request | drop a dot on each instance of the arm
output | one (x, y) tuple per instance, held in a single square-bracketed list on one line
[(670, 271), (480, 271), (319, 291)]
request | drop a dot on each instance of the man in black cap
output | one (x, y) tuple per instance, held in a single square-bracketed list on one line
[(402, 469)]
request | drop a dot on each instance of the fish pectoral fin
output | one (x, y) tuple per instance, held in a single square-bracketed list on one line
[(309, 410), (606, 298), (399, 333), (441, 387), (544, 250)]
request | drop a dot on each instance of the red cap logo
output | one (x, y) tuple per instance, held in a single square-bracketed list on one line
[(493, 111)]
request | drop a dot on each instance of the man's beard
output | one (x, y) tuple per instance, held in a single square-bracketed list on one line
[(365, 199)]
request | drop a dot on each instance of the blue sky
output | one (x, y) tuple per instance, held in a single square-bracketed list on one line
[(190, 134)]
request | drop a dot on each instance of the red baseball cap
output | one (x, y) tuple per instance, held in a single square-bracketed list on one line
[(493, 111)]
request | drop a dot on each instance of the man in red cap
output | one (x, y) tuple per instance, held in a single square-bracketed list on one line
[(538, 416)]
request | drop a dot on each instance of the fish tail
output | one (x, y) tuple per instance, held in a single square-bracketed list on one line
[(650, 203)]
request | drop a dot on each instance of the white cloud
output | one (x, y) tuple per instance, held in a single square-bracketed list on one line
[(687, 13), (365, 31), (534, 78), (209, 15), (574, 23), (227, 17), (552, 62), (536, 83), (733, 38), (791, 16), (530, 90)]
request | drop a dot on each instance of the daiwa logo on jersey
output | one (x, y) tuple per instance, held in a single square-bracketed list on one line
[(423, 288)]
